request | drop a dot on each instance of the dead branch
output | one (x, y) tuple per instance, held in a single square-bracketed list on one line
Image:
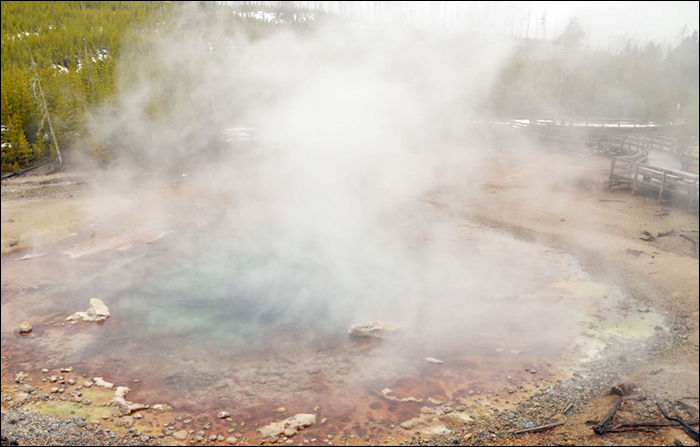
[(648, 237), (538, 428), (688, 429), (601, 426), (568, 407)]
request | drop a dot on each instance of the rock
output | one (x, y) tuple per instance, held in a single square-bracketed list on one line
[(180, 435), (20, 376), (386, 395), (374, 329), (288, 427), (162, 407), (125, 406), (432, 360), (24, 328), (99, 381), (223, 415), (231, 440), (97, 311)]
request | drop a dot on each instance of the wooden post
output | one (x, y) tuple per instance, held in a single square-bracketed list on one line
[(661, 189), (612, 172), (634, 181), (46, 108)]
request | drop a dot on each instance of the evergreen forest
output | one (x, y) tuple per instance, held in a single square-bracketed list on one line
[(61, 60)]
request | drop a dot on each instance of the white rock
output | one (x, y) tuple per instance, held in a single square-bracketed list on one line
[(99, 381), (97, 311), (125, 406), (432, 360), (288, 427), (374, 329)]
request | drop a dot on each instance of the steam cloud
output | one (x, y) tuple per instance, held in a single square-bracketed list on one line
[(355, 125)]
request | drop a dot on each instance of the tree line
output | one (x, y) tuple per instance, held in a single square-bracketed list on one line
[(60, 60), (564, 79)]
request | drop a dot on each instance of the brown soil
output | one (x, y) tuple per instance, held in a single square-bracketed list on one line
[(556, 198)]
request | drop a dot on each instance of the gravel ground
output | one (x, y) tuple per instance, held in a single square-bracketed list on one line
[(21, 427)]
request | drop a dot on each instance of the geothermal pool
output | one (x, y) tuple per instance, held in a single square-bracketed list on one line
[(206, 318)]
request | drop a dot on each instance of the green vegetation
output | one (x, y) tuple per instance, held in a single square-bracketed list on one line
[(74, 46), (77, 48)]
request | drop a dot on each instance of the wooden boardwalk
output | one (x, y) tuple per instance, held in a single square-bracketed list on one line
[(669, 185), (629, 144)]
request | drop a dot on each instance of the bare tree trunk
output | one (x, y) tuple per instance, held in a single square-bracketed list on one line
[(87, 62), (131, 9), (155, 13), (46, 108), (162, 12), (54, 14), (82, 6)]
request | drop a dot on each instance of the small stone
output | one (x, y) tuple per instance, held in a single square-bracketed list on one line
[(87, 402), (280, 410), (138, 416), (212, 438), (180, 435), (231, 441), (24, 327), (511, 389), (223, 415), (20, 376)]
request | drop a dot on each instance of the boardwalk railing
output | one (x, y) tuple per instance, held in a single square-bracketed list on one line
[(608, 136), (669, 185)]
